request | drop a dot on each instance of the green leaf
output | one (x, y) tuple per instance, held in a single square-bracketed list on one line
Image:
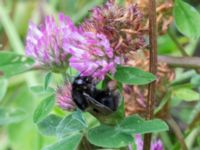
[(195, 81), (133, 76), (108, 137), (164, 100), (3, 88), (135, 124), (165, 45), (78, 115), (43, 109), (40, 90), (67, 143), (70, 124), (186, 94), (47, 80), (84, 9), (48, 125), (187, 19), (23, 135), (12, 58), (8, 115), (12, 64), (183, 76)]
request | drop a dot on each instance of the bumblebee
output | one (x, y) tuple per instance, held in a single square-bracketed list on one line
[(88, 98)]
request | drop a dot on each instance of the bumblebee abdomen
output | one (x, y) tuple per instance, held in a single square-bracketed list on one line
[(79, 100)]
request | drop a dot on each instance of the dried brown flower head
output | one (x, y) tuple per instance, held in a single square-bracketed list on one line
[(135, 96), (164, 15), (122, 26), (163, 9)]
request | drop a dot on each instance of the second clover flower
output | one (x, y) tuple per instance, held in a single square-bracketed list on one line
[(64, 97), (45, 43), (91, 54)]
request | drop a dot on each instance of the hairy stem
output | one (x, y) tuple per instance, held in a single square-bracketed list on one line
[(153, 67)]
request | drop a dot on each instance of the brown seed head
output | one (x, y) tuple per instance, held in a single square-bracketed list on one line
[(122, 25)]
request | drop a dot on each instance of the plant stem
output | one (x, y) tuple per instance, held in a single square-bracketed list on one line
[(177, 132), (195, 115), (14, 39), (40, 142), (185, 62), (153, 67), (85, 145), (166, 140), (192, 137), (179, 46), (10, 30)]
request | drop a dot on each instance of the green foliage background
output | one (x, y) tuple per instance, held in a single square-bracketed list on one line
[(15, 16), (21, 94)]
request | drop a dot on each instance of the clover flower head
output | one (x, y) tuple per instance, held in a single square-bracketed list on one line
[(45, 43), (64, 97), (156, 145), (91, 54), (139, 142)]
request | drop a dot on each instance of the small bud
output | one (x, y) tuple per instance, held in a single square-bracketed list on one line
[(156, 145), (64, 97)]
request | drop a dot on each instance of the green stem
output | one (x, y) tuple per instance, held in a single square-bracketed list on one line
[(14, 39), (178, 45), (192, 137), (177, 132), (85, 145), (166, 140), (10, 30), (40, 141)]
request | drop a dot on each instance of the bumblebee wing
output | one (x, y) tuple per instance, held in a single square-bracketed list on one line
[(98, 106)]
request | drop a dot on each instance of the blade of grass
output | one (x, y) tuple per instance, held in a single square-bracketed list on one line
[(10, 30), (81, 13), (14, 39)]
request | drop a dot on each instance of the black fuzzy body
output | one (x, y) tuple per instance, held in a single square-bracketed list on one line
[(88, 97), (80, 86)]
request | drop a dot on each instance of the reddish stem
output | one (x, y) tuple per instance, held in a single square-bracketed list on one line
[(153, 68)]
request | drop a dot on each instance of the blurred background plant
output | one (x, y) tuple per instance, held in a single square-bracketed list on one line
[(19, 95)]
